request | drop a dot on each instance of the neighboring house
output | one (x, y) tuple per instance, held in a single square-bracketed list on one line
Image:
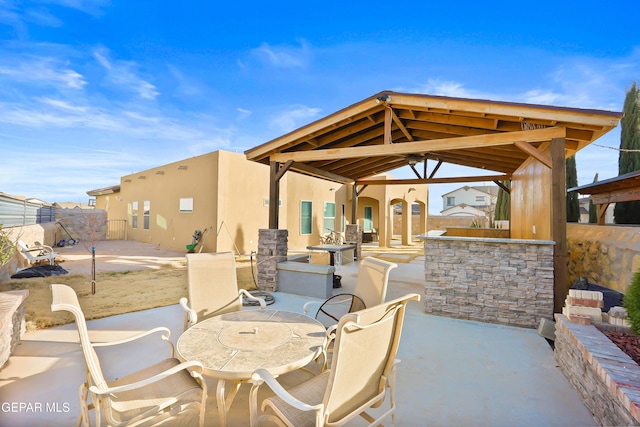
[(226, 197), (470, 201), (584, 211), (463, 210)]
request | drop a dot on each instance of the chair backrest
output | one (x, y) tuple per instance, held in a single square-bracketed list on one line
[(364, 354), (65, 299), (212, 284), (373, 278)]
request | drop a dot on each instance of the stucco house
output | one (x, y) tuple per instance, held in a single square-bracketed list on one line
[(470, 200), (226, 196)]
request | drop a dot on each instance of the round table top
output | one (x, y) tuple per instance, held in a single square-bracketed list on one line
[(234, 345)]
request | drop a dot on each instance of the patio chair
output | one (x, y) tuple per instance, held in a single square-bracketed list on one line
[(370, 290), (213, 287), (166, 393), (37, 252), (363, 368)]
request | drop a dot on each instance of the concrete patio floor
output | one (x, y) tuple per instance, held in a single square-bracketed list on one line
[(452, 372)]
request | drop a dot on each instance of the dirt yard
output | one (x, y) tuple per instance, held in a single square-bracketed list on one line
[(151, 278)]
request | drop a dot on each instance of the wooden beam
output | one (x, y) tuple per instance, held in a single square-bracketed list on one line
[(615, 196), (435, 169), (416, 171), (398, 122), (559, 222), (387, 125), (451, 180), (310, 170), (274, 195), (602, 212), (280, 173), (354, 203), (414, 147), (534, 152), (504, 187)]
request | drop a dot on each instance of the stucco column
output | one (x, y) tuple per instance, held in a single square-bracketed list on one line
[(406, 223)]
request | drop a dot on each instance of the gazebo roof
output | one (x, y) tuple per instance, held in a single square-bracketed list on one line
[(389, 130), (623, 188)]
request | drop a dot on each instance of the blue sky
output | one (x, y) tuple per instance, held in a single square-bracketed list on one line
[(91, 90)]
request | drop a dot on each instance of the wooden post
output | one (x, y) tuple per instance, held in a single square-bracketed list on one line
[(274, 195), (354, 203), (559, 222)]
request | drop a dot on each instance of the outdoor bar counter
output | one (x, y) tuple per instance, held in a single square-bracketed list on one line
[(494, 280)]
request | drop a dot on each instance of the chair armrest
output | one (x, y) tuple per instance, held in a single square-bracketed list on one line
[(191, 317), (263, 376), (306, 309), (246, 294), (162, 375), (166, 333)]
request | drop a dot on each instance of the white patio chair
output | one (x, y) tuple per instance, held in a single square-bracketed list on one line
[(213, 287), (37, 253), (167, 393), (362, 370)]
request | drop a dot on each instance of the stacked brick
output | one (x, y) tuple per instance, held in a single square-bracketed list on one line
[(272, 249), (584, 307), (504, 281)]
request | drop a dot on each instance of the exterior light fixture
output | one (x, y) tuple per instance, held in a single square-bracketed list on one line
[(383, 98)]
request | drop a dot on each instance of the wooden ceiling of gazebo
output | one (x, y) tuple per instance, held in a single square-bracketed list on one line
[(390, 130)]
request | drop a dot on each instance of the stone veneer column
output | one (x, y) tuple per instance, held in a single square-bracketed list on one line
[(272, 249), (353, 235)]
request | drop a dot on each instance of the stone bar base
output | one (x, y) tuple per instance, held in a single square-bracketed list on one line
[(607, 379), (272, 249), (12, 323), (353, 235), (504, 281)]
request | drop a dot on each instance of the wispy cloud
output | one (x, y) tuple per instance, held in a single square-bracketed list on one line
[(283, 56), (293, 117), (124, 75), (41, 71)]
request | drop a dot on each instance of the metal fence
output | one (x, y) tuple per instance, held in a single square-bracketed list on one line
[(117, 229), (16, 212)]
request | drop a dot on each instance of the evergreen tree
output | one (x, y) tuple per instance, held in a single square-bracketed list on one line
[(629, 160), (503, 205), (573, 204), (593, 210)]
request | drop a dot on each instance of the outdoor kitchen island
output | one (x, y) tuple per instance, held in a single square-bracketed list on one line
[(494, 280)]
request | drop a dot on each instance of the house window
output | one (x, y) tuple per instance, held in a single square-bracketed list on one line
[(342, 220), (480, 199), (368, 218), (451, 201), (305, 217), (329, 219), (186, 205), (134, 215), (145, 214)]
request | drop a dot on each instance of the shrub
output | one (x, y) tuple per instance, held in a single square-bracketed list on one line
[(631, 303)]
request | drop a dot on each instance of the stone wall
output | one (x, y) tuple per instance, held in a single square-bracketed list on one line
[(12, 323), (83, 224), (607, 255), (605, 377), (503, 281), (272, 249)]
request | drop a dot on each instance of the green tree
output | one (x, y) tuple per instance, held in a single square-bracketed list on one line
[(593, 210), (7, 247), (629, 159), (503, 203), (573, 205)]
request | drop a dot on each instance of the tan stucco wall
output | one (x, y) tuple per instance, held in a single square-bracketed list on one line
[(230, 196)]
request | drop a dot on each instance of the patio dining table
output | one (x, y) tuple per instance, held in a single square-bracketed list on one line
[(233, 345)]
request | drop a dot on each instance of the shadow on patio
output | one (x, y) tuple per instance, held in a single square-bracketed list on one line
[(452, 372)]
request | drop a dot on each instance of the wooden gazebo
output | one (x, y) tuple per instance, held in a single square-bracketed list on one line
[(526, 144)]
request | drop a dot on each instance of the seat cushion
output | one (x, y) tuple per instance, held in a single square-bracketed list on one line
[(177, 392)]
